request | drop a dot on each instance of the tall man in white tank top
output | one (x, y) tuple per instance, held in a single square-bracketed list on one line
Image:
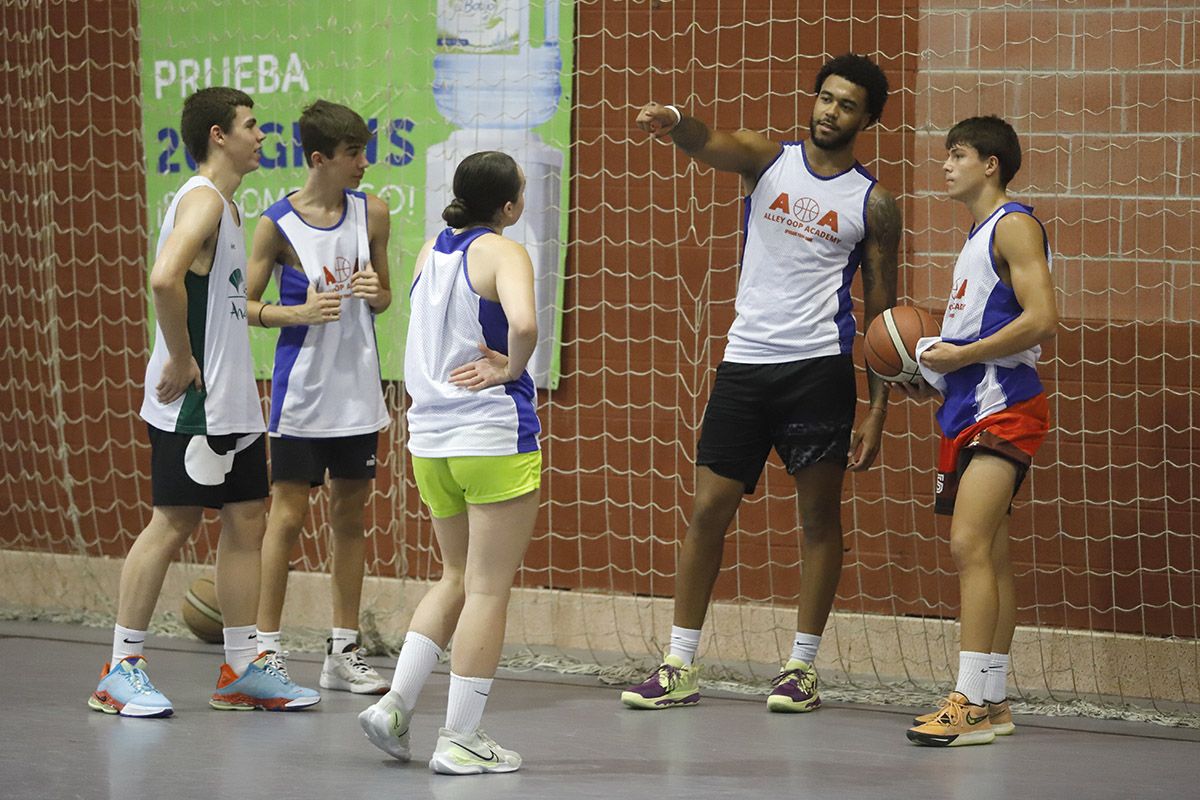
[(205, 422), (327, 247), (994, 415), (814, 216)]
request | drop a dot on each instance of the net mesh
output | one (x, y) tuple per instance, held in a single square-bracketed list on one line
[(1104, 537)]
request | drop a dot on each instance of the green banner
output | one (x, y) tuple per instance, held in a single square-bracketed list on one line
[(435, 79)]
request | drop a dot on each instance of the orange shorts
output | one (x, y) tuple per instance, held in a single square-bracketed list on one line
[(1015, 433)]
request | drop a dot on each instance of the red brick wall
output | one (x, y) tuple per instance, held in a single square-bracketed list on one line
[(1105, 534)]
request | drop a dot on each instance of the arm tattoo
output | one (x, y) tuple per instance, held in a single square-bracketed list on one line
[(884, 227)]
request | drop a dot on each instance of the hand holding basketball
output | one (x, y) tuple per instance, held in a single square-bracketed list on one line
[(891, 342)]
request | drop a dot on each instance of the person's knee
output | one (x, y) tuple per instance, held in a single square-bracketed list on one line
[(969, 550)]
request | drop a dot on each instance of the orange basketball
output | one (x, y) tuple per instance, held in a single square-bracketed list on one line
[(891, 342), (201, 613)]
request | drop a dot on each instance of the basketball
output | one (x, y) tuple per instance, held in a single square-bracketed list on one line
[(891, 342), (201, 613)]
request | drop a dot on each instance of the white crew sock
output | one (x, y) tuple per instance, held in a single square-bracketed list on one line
[(997, 682), (241, 647), (270, 640), (804, 647), (972, 675), (684, 644), (464, 709), (342, 638), (127, 642), (418, 656)]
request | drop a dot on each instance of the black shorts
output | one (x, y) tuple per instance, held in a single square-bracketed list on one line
[(804, 409), (207, 471), (349, 458)]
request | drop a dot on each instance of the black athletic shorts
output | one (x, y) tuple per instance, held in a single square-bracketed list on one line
[(306, 460), (207, 471), (804, 409)]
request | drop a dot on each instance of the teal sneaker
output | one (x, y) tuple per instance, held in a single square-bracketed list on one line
[(671, 684), (126, 690), (386, 725), (458, 754), (794, 690), (265, 684)]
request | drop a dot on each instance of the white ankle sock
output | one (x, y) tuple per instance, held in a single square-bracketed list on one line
[(997, 681), (464, 709), (418, 656), (804, 647), (972, 675), (241, 647), (342, 638), (127, 642), (684, 644), (270, 640)]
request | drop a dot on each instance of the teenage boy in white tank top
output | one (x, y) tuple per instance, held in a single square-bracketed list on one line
[(814, 216), (326, 245), (205, 425), (994, 415)]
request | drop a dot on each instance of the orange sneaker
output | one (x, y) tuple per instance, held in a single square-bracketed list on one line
[(998, 714), (958, 723)]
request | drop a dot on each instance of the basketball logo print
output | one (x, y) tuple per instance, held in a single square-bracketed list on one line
[(806, 209), (343, 268)]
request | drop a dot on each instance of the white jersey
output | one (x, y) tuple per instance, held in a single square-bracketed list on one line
[(804, 242), (326, 380), (220, 339), (448, 321), (980, 304)]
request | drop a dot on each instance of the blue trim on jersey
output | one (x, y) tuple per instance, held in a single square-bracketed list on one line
[(961, 410), (866, 200), (494, 323), (293, 291), (845, 313), (749, 202), (803, 153)]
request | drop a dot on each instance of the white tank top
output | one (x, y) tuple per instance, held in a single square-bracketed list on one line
[(980, 304), (216, 320), (326, 381), (448, 321), (804, 242)]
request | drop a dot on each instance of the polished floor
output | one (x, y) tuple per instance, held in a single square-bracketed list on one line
[(576, 739)]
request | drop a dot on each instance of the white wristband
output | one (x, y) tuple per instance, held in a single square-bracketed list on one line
[(678, 114)]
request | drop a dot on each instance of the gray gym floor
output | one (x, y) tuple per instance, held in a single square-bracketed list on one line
[(576, 739)]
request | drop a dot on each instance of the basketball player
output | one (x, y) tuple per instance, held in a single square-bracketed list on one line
[(205, 424), (994, 415), (473, 435), (813, 216), (327, 246)]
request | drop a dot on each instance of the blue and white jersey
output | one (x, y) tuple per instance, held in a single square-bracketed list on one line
[(448, 321), (804, 242), (326, 380), (981, 304)]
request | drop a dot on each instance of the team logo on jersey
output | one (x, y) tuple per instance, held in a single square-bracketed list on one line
[(338, 279), (804, 217), (237, 298), (957, 293)]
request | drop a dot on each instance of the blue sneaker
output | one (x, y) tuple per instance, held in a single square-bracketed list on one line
[(264, 684), (126, 690)]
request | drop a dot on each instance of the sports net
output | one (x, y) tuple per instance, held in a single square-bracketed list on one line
[(1104, 537)]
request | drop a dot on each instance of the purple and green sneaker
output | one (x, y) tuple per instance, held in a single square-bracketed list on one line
[(795, 689), (671, 684)]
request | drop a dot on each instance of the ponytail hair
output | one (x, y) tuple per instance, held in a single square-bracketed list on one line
[(483, 183)]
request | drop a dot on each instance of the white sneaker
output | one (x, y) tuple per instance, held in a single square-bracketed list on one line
[(386, 725), (349, 672), (458, 754)]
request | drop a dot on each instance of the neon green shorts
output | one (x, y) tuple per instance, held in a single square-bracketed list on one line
[(447, 485)]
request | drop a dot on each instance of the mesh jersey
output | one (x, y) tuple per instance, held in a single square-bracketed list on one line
[(804, 242), (220, 340), (326, 380), (448, 321), (981, 304)]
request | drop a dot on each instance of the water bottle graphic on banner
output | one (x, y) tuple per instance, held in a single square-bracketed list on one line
[(494, 83)]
